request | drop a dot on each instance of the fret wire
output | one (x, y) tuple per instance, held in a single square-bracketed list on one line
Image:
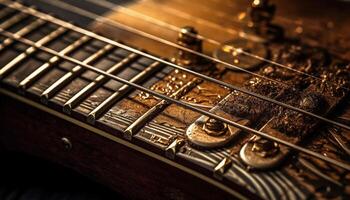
[(29, 51), (5, 11), (110, 5), (133, 128), (22, 32), (95, 84), (62, 23), (13, 20), (36, 74), (180, 103), (121, 92), (68, 77)]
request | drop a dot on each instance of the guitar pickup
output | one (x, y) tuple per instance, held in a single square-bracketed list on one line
[(290, 126), (237, 107)]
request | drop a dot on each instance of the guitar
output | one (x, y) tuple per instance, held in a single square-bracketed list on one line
[(182, 100)]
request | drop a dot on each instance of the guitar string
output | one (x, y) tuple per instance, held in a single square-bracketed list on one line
[(110, 5), (113, 23), (96, 17), (46, 17), (28, 42), (78, 9), (134, 13), (44, 49), (138, 14)]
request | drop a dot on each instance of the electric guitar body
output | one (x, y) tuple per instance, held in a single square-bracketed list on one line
[(182, 99)]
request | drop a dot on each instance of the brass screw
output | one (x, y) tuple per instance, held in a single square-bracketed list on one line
[(265, 148), (214, 127), (187, 38)]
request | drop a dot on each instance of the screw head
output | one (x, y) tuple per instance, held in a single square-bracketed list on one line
[(214, 127), (66, 143), (265, 148)]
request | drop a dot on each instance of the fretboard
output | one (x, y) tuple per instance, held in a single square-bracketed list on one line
[(90, 97), (157, 106), (61, 84)]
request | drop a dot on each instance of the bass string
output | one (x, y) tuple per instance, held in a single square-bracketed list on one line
[(167, 98), (204, 77), (116, 24), (139, 15)]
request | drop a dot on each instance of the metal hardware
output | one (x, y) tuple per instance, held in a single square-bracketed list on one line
[(22, 32), (159, 107), (30, 50), (121, 92), (173, 148), (187, 38), (260, 153), (210, 133), (214, 127), (100, 80), (67, 143), (76, 71), (13, 20), (261, 13), (286, 143), (36, 74), (265, 148), (185, 58), (222, 167), (117, 44)]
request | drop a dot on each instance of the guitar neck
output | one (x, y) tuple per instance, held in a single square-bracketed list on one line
[(140, 118), (56, 81), (83, 114)]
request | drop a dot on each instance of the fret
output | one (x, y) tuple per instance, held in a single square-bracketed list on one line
[(159, 107), (116, 96), (11, 65), (13, 20), (22, 32), (5, 11), (68, 77), (173, 148), (99, 81), (35, 75)]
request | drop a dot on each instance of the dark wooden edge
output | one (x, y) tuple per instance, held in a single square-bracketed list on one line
[(134, 174)]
